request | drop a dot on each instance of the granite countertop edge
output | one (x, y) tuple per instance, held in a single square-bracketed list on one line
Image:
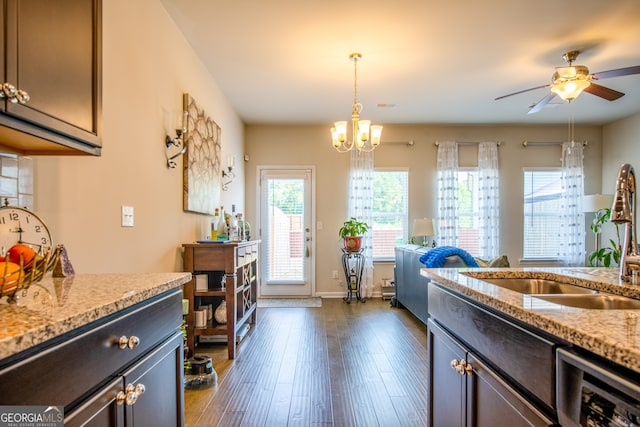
[(74, 302), (611, 334)]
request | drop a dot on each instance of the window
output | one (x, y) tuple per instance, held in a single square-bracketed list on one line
[(542, 194), (390, 216), (468, 212)]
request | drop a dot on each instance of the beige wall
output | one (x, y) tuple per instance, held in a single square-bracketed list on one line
[(622, 143), (310, 145), (147, 65)]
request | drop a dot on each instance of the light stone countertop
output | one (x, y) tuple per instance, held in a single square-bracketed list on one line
[(612, 334), (55, 306)]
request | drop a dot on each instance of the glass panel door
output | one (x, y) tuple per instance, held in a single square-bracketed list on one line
[(286, 232)]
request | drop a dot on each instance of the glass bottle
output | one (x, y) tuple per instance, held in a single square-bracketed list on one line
[(241, 230), (222, 226), (214, 224), (233, 225)]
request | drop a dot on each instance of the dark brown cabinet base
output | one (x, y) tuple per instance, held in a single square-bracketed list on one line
[(466, 392), (88, 373), (485, 370)]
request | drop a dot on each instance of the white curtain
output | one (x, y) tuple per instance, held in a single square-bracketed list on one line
[(489, 200), (572, 247), (361, 207), (448, 193)]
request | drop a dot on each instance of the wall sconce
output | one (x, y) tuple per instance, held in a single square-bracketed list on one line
[(177, 141), (227, 174)]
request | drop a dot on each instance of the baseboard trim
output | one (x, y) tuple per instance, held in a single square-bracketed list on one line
[(342, 294)]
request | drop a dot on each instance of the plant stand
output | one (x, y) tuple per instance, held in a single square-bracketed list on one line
[(353, 265)]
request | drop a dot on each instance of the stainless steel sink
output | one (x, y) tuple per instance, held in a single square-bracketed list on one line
[(593, 301), (538, 286)]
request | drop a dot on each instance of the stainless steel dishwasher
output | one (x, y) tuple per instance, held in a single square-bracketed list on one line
[(591, 393)]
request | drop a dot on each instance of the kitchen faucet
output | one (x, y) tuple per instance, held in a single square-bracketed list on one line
[(623, 211)]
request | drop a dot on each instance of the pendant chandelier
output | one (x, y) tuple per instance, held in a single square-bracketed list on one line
[(364, 137)]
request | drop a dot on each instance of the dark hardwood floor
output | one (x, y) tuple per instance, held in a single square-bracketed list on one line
[(340, 365)]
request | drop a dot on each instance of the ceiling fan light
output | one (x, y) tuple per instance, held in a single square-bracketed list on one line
[(569, 90)]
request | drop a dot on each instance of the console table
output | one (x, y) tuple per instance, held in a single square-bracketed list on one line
[(237, 262)]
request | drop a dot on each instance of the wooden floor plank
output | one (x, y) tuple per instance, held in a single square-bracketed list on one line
[(358, 364)]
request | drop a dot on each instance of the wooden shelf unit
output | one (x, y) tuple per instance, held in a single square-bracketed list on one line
[(238, 261)]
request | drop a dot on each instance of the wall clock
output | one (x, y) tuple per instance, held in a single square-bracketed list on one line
[(20, 225)]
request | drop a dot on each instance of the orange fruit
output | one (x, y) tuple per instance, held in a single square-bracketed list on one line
[(27, 253), (10, 273)]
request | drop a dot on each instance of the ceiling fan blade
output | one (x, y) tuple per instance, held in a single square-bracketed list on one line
[(616, 73), (540, 105), (522, 91), (603, 92)]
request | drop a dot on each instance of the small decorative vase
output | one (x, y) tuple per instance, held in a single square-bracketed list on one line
[(352, 244), (221, 313)]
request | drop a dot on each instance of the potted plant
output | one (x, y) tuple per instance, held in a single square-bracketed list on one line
[(603, 256), (351, 232)]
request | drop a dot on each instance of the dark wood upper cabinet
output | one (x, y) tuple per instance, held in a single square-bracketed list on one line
[(52, 50)]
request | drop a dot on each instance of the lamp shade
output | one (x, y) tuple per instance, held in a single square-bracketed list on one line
[(423, 227), (595, 202), (570, 90)]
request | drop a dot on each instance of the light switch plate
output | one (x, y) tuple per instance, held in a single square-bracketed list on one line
[(127, 216)]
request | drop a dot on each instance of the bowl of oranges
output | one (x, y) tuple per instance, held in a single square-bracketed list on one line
[(20, 266)]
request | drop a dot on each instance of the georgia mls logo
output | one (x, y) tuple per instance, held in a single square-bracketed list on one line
[(31, 416)]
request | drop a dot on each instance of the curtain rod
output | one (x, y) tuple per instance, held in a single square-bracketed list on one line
[(527, 143), (409, 143), (437, 143)]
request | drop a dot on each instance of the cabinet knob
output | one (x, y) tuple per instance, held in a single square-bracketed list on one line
[(8, 91), (461, 367), (130, 394), (14, 95), (131, 342), (22, 96)]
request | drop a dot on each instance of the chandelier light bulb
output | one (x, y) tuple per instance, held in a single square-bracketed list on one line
[(363, 130)]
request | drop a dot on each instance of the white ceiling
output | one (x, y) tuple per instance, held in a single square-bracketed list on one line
[(438, 62)]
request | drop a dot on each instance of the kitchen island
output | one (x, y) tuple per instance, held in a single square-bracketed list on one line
[(508, 350), (96, 345)]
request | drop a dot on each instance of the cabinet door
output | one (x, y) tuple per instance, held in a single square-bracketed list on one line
[(53, 53), (447, 391), (161, 373), (492, 402), (100, 410)]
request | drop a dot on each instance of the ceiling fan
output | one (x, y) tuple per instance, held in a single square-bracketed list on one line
[(568, 82)]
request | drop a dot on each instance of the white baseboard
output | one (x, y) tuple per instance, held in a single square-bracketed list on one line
[(342, 294)]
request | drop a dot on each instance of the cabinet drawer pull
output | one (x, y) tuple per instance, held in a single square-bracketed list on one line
[(8, 91), (468, 369), (130, 394), (14, 95), (455, 365), (22, 96), (131, 342), (461, 367)]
